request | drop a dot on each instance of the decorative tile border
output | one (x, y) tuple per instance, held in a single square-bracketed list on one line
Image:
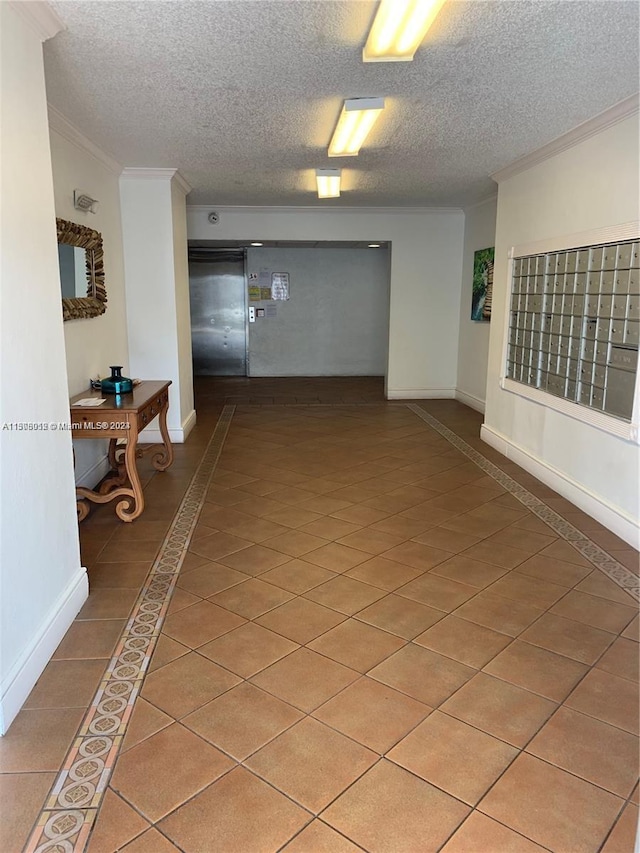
[(71, 808), (618, 573)]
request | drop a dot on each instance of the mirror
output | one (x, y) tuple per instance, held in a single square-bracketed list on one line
[(81, 271)]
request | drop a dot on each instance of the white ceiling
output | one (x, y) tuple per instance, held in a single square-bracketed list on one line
[(242, 95)]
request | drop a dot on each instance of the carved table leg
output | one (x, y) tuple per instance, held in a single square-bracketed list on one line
[(163, 458), (123, 509), (113, 446), (118, 475)]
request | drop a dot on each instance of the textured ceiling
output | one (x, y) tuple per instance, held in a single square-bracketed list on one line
[(242, 95)]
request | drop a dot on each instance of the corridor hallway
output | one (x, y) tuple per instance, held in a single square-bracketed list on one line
[(368, 631)]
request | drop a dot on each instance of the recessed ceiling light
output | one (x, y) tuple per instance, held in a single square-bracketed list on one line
[(374, 245), (399, 28), (328, 183), (256, 244), (356, 120)]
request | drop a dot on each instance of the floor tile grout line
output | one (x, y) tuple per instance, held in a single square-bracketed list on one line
[(283, 847), (71, 809), (589, 549)]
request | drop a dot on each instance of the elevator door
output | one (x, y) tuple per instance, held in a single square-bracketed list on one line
[(218, 313)]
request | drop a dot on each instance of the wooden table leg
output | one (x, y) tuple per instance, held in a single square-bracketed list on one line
[(132, 508), (163, 458), (117, 476)]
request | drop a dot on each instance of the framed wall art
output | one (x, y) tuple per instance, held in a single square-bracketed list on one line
[(482, 284)]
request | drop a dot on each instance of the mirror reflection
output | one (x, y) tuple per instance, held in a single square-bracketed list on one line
[(73, 271)]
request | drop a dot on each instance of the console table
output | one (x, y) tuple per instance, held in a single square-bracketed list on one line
[(123, 416)]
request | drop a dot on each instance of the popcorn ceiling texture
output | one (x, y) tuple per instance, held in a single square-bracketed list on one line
[(242, 95)]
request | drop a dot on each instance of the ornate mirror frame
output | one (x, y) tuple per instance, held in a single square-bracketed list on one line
[(95, 302)]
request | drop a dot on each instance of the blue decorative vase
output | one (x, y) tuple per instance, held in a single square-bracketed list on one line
[(116, 383)]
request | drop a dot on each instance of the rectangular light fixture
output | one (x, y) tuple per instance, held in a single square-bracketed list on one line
[(399, 28), (356, 120), (328, 182)]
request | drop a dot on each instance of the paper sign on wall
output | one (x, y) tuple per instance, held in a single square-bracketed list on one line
[(264, 279), (280, 286), (254, 290)]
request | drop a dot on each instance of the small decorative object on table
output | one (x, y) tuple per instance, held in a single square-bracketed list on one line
[(116, 383)]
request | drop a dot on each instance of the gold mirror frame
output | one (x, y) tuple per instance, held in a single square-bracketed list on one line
[(95, 302)]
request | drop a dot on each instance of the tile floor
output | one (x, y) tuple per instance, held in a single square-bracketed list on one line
[(371, 646)]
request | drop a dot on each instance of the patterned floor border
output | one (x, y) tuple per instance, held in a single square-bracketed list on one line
[(71, 808), (65, 823), (583, 545)]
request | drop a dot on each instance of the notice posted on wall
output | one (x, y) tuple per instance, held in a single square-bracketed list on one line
[(265, 293), (280, 286), (271, 309), (264, 278), (254, 289)]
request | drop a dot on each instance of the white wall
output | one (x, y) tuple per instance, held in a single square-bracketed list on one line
[(426, 270), (157, 290), (183, 312), (591, 185), (42, 585), (473, 348), (94, 344), (336, 320)]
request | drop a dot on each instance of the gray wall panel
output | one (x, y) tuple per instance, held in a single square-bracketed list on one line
[(337, 318)]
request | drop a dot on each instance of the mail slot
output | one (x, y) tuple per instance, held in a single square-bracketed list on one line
[(620, 389), (609, 256), (632, 333), (583, 260), (595, 261), (624, 255), (624, 358)]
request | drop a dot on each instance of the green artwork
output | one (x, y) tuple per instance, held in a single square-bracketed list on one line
[(482, 284)]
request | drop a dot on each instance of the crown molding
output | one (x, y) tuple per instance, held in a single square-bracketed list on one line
[(359, 211), (608, 234), (68, 131), (615, 114), (493, 197), (144, 173), (40, 16), (182, 183)]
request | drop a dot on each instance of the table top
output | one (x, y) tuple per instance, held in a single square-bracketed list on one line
[(132, 401)]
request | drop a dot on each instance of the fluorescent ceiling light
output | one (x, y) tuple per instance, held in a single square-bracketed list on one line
[(399, 28), (356, 120), (328, 181), (257, 244), (374, 245)]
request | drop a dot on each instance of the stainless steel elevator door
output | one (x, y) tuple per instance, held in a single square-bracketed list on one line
[(218, 314)]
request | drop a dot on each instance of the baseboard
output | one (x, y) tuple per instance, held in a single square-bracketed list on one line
[(31, 663), (94, 474), (420, 393), (188, 424), (471, 401), (611, 517), (177, 436)]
